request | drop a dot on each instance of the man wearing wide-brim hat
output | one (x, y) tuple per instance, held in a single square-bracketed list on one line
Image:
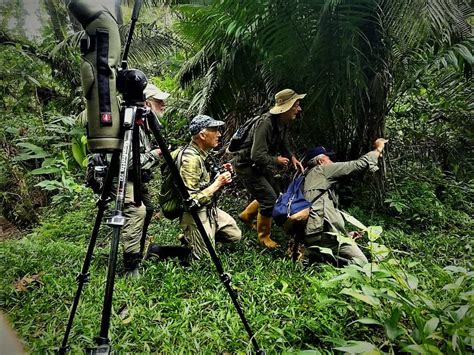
[(266, 148)]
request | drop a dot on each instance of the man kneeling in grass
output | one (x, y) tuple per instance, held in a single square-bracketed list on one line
[(325, 220), (204, 185)]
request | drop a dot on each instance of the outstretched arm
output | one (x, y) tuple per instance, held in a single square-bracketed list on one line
[(369, 160)]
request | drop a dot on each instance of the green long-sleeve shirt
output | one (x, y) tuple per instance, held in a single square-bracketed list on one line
[(322, 178), (267, 139)]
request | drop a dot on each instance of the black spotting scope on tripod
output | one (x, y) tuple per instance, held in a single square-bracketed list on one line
[(113, 128)]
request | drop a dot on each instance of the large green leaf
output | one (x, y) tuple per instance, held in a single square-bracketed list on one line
[(31, 151), (79, 151), (368, 321), (359, 347), (430, 326), (46, 170), (354, 221), (391, 324), (370, 300)]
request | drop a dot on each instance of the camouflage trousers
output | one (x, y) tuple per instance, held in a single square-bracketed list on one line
[(219, 226)]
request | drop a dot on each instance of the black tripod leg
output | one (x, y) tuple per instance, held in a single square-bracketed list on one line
[(146, 223), (137, 173), (116, 221), (83, 277), (137, 185), (225, 278)]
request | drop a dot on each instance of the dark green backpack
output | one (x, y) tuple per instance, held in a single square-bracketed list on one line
[(169, 199), (240, 136), (241, 140)]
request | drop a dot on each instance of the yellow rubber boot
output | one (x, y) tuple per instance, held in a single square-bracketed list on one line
[(249, 213), (264, 225)]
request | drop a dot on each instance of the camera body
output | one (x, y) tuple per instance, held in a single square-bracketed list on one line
[(100, 51)]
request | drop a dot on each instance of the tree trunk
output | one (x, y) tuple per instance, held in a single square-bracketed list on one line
[(57, 12), (371, 107)]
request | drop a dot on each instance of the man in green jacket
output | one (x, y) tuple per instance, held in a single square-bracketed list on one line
[(265, 150), (325, 220), (138, 217)]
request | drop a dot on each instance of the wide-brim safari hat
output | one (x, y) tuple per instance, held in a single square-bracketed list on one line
[(284, 100)]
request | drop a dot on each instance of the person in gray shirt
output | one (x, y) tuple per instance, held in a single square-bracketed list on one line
[(325, 219)]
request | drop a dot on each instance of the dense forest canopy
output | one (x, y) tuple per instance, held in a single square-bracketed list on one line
[(370, 68)]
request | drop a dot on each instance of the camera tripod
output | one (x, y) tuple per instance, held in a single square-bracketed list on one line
[(133, 117), (133, 114)]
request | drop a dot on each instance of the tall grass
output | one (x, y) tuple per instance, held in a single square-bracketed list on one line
[(171, 309)]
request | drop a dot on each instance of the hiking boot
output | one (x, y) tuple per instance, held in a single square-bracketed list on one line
[(249, 213), (264, 225), (131, 263), (164, 252)]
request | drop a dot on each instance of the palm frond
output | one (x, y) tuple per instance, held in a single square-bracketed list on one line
[(70, 43)]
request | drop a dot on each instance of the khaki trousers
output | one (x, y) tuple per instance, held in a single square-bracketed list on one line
[(135, 219), (349, 253), (219, 226)]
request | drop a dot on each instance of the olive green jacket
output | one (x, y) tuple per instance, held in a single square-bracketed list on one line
[(321, 178), (263, 144)]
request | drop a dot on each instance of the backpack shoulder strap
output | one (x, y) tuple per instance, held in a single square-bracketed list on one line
[(275, 136), (179, 158), (252, 126), (318, 196)]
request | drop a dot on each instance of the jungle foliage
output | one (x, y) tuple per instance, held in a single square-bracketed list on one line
[(353, 58)]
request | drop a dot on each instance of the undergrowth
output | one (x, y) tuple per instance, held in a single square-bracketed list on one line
[(405, 301)]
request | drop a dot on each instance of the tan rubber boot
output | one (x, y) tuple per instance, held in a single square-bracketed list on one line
[(249, 213), (264, 225)]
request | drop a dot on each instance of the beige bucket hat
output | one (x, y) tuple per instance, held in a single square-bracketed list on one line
[(152, 92), (284, 100)]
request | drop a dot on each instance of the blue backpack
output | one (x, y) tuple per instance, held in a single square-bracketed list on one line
[(292, 201)]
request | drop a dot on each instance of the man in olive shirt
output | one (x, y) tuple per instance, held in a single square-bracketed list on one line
[(219, 225), (325, 220), (139, 217), (266, 149)]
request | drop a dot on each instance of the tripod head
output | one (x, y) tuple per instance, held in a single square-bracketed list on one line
[(131, 83)]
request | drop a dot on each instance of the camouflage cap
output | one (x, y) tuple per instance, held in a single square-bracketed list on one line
[(200, 122)]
